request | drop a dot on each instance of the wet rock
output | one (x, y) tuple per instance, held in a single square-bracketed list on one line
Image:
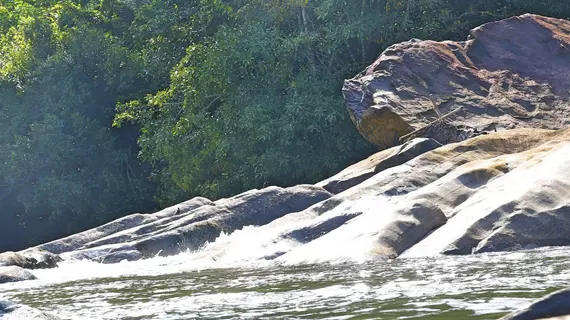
[(378, 162), (192, 229), (106, 254), (15, 274), (30, 259), (426, 205), (505, 190), (553, 305), (13, 311), (81, 239), (408, 226), (510, 202), (252, 208), (532, 225), (508, 74)]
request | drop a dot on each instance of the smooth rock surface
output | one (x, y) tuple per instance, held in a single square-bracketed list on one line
[(78, 240), (363, 170), (516, 201), (553, 305), (191, 229), (14, 274), (505, 190), (509, 74), (424, 206)]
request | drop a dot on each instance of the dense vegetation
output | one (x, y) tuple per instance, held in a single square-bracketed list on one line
[(114, 106)]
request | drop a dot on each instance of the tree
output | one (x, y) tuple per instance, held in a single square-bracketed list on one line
[(64, 169)]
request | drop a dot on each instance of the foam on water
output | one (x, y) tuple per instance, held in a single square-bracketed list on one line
[(175, 288)]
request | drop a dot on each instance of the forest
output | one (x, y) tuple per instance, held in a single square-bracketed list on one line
[(109, 107)]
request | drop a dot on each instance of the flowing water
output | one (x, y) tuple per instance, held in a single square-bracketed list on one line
[(180, 287)]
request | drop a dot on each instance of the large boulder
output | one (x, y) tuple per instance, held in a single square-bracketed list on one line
[(363, 170), (553, 305), (509, 74), (14, 274), (32, 258), (12, 311)]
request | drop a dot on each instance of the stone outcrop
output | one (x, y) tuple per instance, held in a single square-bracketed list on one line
[(444, 201), (553, 306), (467, 182), (505, 190), (184, 227), (508, 74), (514, 201), (14, 274), (380, 161), (77, 241), (12, 311), (30, 259)]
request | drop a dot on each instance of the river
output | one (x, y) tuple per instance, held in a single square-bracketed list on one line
[(482, 286)]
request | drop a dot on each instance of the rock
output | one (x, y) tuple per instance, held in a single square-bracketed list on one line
[(12, 311), (531, 225), (79, 240), (508, 74), (505, 190), (107, 254), (553, 305), (406, 152), (516, 201), (30, 259), (398, 229), (422, 207), (192, 229), (15, 274), (411, 224), (254, 207), (380, 161)]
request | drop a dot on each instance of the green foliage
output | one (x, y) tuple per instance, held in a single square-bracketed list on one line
[(250, 105), (258, 101), (63, 168)]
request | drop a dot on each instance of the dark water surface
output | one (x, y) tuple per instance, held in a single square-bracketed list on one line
[(470, 287)]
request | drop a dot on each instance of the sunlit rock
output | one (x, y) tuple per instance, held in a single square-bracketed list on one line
[(509, 74), (15, 274), (32, 258), (506, 190), (176, 233), (425, 206), (518, 201), (380, 161), (254, 207)]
